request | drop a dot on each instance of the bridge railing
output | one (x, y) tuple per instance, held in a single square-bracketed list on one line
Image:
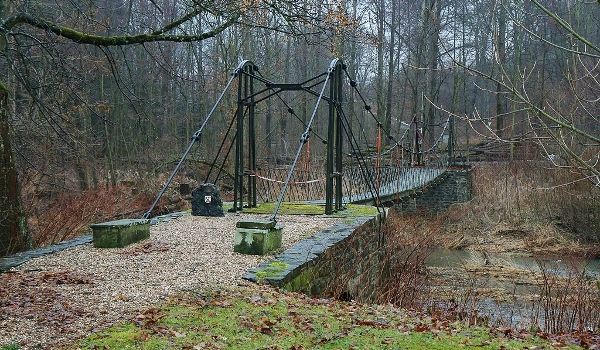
[(309, 186), (389, 180), (304, 185)]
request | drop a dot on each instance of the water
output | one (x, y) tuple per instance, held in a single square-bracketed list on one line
[(507, 284), (452, 258)]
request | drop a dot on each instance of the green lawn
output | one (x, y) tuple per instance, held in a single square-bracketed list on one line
[(287, 208), (261, 318)]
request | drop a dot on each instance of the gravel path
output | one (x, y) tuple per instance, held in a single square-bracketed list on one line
[(55, 299)]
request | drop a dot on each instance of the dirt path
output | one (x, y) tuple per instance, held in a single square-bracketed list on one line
[(55, 299)]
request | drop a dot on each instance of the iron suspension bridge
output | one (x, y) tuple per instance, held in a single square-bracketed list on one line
[(352, 173)]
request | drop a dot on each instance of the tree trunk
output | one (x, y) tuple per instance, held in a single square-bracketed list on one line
[(390, 82), (380, 49), (353, 65), (13, 227), (432, 80), (501, 60)]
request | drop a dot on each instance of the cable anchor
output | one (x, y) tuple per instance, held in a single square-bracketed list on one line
[(304, 138)]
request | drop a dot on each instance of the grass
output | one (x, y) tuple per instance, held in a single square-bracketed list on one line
[(10, 347), (262, 318), (287, 208)]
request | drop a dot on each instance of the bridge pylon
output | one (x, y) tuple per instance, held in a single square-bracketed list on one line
[(245, 138), (334, 164)]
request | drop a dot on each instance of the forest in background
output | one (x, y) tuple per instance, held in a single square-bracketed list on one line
[(92, 125)]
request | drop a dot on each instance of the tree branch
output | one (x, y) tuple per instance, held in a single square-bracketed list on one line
[(566, 25), (99, 40)]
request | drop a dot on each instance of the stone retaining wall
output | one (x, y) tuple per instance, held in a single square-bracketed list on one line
[(343, 261), (454, 186)]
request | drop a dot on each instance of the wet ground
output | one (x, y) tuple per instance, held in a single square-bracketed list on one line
[(509, 289)]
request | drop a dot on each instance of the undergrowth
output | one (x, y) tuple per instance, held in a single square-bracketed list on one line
[(69, 214), (567, 300), (520, 206), (251, 318)]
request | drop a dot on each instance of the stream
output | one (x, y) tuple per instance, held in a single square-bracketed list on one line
[(504, 288), (453, 258)]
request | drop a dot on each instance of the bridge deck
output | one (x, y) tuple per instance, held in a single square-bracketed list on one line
[(407, 180)]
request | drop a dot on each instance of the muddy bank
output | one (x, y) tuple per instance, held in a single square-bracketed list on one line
[(509, 271), (516, 290)]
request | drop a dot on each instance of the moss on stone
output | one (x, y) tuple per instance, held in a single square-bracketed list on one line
[(257, 241), (256, 224), (304, 282), (274, 269), (120, 233)]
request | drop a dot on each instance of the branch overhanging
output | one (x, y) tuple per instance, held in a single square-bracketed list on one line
[(99, 40)]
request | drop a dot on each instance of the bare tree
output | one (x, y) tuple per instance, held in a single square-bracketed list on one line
[(92, 75), (563, 121)]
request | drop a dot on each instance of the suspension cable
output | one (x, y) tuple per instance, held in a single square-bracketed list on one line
[(195, 138), (389, 150), (368, 108), (223, 143), (359, 157), (290, 109), (303, 140), (437, 141), (226, 157)]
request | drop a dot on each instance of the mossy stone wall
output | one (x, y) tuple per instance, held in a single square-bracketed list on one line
[(120, 233), (341, 261), (257, 241), (454, 186)]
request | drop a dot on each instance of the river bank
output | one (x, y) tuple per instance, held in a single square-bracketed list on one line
[(521, 253), (252, 317)]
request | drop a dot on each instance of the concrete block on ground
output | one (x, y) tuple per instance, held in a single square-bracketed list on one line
[(120, 233), (257, 237)]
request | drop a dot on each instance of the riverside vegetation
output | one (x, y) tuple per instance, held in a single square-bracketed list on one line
[(492, 304), (523, 253), (257, 317)]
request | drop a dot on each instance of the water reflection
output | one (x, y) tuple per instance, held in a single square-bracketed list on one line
[(504, 288)]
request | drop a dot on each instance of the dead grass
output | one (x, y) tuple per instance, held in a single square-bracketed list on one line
[(569, 300), (408, 244), (69, 214), (514, 211)]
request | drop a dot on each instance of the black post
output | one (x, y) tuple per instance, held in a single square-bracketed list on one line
[(417, 144), (238, 185), (249, 155), (329, 173), (337, 81), (251, 141), (451, 140)]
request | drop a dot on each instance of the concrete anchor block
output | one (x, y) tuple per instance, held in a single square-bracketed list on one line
[(256, 237), (120, 233)]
